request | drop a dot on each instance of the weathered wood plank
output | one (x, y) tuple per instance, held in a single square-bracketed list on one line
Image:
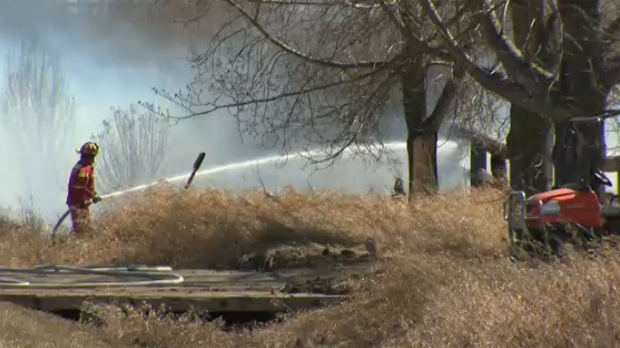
[(203, 290), (178, 301)]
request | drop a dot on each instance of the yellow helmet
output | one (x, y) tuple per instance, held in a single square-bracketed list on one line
[(89, 149)]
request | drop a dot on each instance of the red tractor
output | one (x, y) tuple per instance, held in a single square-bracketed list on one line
[(571, 213)]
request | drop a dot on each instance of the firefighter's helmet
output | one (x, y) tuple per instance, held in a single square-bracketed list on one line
[(89, 149)]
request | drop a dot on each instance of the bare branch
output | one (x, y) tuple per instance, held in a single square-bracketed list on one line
[(509, 54), (134, 149), (535, 100), (316, 3), (491, 145), (283, 46), (213, 107), (439, 63), (38, 112), (415, 44), (449, 92)]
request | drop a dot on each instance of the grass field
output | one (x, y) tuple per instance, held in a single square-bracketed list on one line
[(443, 278)]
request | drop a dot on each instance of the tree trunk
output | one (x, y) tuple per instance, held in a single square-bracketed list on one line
[(425, 175), (581, 88), (414, 103), (527, 139), (527, 144)]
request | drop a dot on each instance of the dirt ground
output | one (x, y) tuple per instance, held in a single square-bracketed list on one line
[(443, 277)]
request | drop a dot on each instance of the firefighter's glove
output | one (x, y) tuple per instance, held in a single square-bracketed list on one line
[(97, 199)]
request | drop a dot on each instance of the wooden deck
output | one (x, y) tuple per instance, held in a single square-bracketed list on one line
[(202, 290)]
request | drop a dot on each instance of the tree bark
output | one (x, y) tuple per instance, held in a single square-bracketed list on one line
[(414, 104), (425, 174), (581, 88), (527, 143), (527, 139)]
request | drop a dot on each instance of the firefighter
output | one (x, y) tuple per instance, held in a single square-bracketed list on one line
[(81, 189)]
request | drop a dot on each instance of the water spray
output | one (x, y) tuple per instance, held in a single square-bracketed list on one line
[(398, 145), (197, 164), (239, 165)]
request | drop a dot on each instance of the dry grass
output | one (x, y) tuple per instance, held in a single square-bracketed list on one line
[(23, 328), (445, 280)]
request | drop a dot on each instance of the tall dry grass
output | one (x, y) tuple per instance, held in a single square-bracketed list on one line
[(20, 328), (444, 279)]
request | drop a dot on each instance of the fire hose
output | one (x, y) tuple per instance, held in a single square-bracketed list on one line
[(197, 164), (155, 276)]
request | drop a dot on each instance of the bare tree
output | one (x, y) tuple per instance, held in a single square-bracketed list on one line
[(38, 115), (37, 103), (562, 61), (319, 73), (133, 149)]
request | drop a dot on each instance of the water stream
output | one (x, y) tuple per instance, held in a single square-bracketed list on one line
[(394, 146)]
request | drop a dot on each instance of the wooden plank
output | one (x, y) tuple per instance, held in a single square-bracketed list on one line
[(179, 301), (206, 279), (203, 290)]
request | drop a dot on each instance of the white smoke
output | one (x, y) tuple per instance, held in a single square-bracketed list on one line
[(108, 63)]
